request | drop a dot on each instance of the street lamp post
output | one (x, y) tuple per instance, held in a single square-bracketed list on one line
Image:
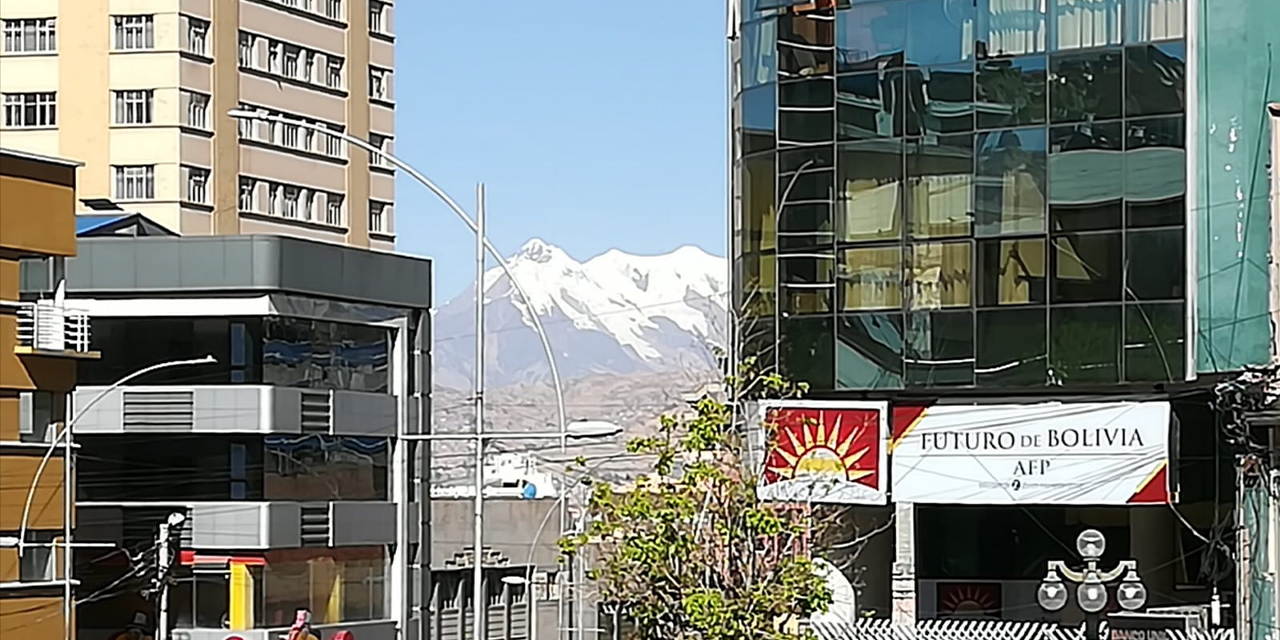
[(583, 429), (1091, 583)]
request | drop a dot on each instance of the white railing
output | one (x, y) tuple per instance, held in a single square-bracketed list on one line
[(880, 629), (49, 326)]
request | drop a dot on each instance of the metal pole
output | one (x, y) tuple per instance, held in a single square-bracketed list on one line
[(477, 556), (68, 487), (162, 620), (1091, 624)]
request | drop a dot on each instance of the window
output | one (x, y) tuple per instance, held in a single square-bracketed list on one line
[(289, 135), (197, 184), (135, 182), (197, 36), (273, 56), (309, 66), (333, 210), (333, 9), (291, 202), (197, 113), (30, 109), (333, 145), (319, 354), (292, 55), (134, 32), (379, 217), (30, 35), (248, 45), (39, 560), (377, 16), (134, 106), (379, 141), (247, 188), (333, 73), (275, 199), (304, 578), (292, 464)]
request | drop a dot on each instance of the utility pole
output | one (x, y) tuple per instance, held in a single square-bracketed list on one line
[(164, 566), (478, 621)]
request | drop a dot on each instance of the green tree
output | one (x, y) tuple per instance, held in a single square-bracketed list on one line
[(689, 552)]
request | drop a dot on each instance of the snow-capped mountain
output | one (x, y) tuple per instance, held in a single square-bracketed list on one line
[(614, 313)]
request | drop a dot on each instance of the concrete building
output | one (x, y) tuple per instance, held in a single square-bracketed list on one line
[(41, 343), (139, 91), (285, 455), (980, 208)]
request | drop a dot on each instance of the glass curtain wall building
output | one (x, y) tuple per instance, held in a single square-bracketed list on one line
[(961, 194)]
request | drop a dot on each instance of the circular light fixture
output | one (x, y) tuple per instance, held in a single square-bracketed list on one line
[(1052, 594), (1091, 544), (1092, 595), (1131, 594)]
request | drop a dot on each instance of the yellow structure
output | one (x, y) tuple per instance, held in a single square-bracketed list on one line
[(139, 90), (40, 343)]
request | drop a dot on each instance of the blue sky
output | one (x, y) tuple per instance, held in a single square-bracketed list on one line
[(593, 125)]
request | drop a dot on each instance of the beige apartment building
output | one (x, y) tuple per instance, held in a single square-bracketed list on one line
[(138, 91)]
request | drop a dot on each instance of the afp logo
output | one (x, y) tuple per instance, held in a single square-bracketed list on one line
[(1016, 484)]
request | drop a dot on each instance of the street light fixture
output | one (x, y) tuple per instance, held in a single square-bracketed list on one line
[(1091, 589)]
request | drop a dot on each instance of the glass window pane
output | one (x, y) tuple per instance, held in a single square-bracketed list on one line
[(1087, 86), (1155, 79), (759, 53), (1154, 343), (1011, 347), (759, 118), (870, 36), (814, 55), (1157, 261), (1147, 20), (808, 282), (939, 348), (870, 105), (808, 186), (1155, 181), (817, 92), (1086, 176), (1011, 92), (803, 127), (872, 278), (758, 198), (939, 31), (806, 159), (758, 341), (869, 351), (938, 99), (759, 284), (1087, 268), (1081, 24), (940, 185), (809, 218), (807, 351), (940, 275), (1085, 344), (1010, 28), (1011, 272), (869, 189), (1010, 183)]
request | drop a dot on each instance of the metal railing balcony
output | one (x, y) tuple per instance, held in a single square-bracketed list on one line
[(47, 327)]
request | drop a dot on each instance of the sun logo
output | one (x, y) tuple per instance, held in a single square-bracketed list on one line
[(812, 444)]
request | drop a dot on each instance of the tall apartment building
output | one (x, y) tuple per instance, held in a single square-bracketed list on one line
[(139, 91), (40, 345), (1054, 207)]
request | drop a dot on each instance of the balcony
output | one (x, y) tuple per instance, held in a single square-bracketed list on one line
[(51, 329)]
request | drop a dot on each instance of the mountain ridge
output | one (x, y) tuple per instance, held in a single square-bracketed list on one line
[(615, 313)]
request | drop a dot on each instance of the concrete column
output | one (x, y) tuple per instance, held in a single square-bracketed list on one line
[(904, 565), (1152, 542)]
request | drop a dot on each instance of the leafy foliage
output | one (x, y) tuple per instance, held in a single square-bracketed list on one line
[(690, 553)]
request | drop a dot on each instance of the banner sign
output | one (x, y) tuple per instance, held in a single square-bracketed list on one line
[(822, 451), (1112, 453)]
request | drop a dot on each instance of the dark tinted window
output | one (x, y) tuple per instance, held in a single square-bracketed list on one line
[(132, 344), (1086, 86), (325, 355), (321, 467), (869, 351)]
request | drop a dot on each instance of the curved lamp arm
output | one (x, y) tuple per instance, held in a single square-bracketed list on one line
[(245, 114), (66, 429)]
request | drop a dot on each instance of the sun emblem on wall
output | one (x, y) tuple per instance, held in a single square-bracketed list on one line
[(841, 445)]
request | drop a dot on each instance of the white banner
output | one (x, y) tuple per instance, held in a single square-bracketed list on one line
[(1052, 453), (821, 451)]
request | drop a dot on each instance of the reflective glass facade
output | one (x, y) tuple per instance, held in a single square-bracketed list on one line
[(963, 193)]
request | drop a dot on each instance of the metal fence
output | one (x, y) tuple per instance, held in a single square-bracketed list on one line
[(872, 629)]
